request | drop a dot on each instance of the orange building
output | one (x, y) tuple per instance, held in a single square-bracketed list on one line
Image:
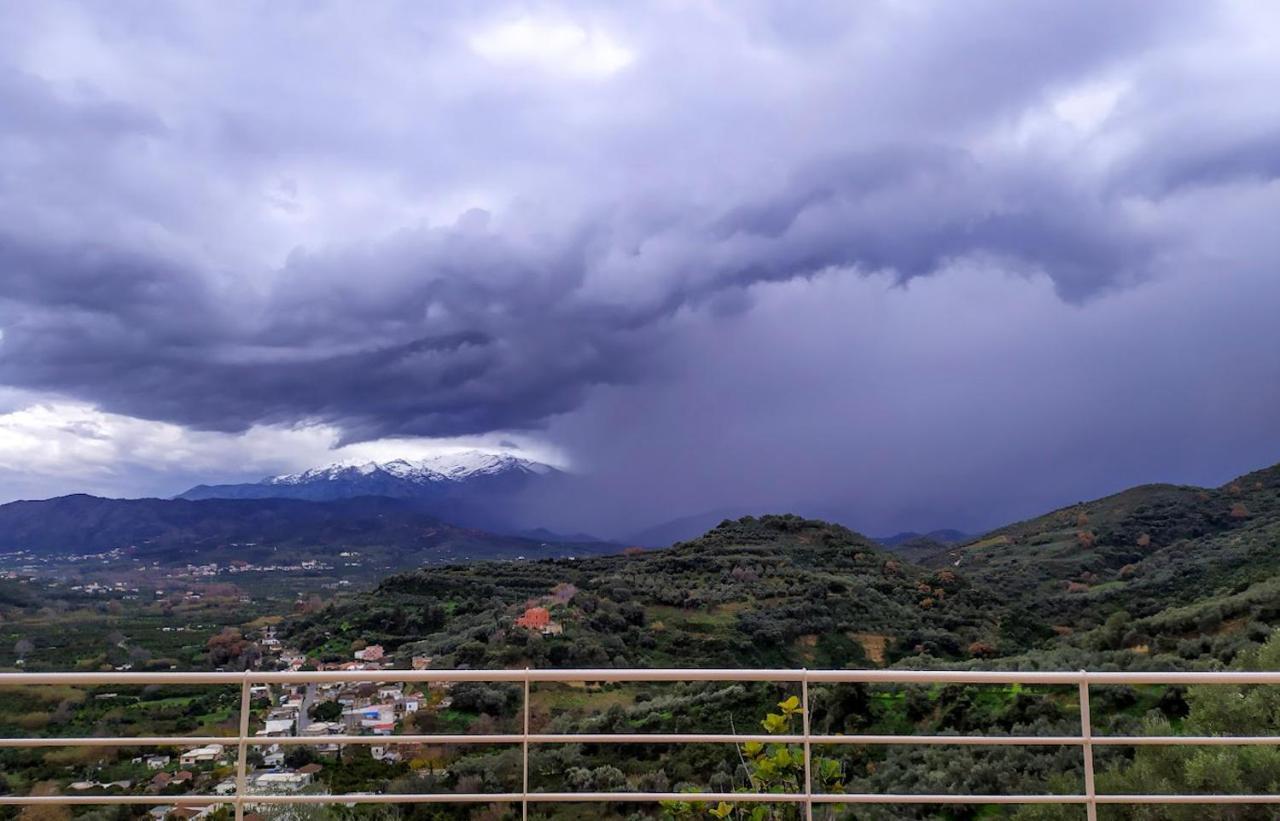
[(535, 618)]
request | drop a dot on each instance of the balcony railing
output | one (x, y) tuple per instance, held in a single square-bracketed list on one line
[(807, 798)]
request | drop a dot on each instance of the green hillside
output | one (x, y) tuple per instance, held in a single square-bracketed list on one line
[(769, 591), (1142, 551), (1157, 577)]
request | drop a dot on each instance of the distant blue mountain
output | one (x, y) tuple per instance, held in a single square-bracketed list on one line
[(943, 536)]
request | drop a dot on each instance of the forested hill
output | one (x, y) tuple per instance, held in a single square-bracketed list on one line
[(1183, 559), (769, 591), (1156, 574)]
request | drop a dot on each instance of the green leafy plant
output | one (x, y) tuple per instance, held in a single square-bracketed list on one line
[(771, 768)]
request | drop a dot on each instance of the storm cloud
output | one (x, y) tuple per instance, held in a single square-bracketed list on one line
[(408, 221)]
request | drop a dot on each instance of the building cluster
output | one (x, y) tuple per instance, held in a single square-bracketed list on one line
[(239, 566), (319, 710), (361, 708), (98, 587)]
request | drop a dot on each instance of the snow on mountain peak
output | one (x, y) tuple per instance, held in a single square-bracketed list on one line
[(445, 467)]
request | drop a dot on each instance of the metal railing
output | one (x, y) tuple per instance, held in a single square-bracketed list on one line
[(806, 798)]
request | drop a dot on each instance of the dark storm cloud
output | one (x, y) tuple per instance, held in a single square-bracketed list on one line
[(459, 330), (222, 218)]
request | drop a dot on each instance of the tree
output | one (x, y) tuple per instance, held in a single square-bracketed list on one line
[(300, 756), (230, 648), (325, 711), (1212, 709)]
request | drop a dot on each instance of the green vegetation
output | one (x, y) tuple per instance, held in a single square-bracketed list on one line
[(49, 627), (773, 591), (1157, 578)]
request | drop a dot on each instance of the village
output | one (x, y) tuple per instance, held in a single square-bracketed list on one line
[(326, 712), (22, 564)]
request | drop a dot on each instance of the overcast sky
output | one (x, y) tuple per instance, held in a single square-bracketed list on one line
[(920, 264)]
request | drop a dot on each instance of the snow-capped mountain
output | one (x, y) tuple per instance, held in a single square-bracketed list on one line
[(452, 467), (470, 488)]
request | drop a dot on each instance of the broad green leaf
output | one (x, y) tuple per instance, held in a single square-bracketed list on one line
[(774, 723)]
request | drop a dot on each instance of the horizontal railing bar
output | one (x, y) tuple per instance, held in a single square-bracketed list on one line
[(382, 798), (641, 675), (780, 798), (798, 798), (558, 798), (538, 797), (12, 679), (942, 677), (1188, 799), (1222, 677), (180, 800), (554, 738), (647, 738), (1186, 740), (583, 738), (119, 741), (625, 797), (959, 740), (678, 738), (913, 798), (392, 675), (534, 738), (444, 738), (661, 738)]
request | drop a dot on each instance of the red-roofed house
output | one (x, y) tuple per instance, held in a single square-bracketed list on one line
[(539, 618), (535, 618)]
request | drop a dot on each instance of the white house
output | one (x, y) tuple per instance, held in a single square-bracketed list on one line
[(281, 782), (211, 752), (276, 727)]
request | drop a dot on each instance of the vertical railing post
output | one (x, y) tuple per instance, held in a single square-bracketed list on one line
[(1086, 737), (808, 771), (524, 745), (242, 747)]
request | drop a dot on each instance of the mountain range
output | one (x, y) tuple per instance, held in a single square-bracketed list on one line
[(471, 488), (461, 507), (396, 533)]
